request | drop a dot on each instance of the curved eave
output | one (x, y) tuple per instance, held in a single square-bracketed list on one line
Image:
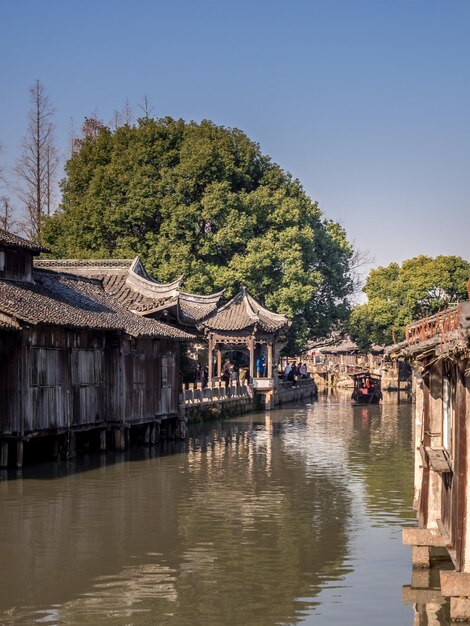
[(150, 288), (212, 298)]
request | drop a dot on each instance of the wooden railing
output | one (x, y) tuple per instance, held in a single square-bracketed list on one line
[(439, 325)]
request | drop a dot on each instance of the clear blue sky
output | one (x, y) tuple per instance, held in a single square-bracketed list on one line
[(367, 102)]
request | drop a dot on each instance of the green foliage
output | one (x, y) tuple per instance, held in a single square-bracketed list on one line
[(398, 295), (201, 200)]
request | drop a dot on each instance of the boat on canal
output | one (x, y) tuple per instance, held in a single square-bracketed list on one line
[(367, 388)]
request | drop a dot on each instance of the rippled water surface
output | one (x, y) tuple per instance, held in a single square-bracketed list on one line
[(286, 517)]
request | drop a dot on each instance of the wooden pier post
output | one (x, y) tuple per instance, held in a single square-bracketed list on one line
[(4, 454), (55, 446), (147, 435), (71, 445), (156, 432), (103, 440), (117, 439), (19, 453)]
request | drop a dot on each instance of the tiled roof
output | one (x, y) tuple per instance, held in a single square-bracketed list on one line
[(192, 309), (128, 281), (14, 241), (242, 312), (61, 299)]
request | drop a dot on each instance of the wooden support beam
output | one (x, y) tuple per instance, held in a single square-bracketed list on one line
[(269, 364), (210, 364), (103, 440), (71, 445), (119, 440), (4, 454), (147, 435), (55, 447), (251, 348), (19, 453), (219, 362)]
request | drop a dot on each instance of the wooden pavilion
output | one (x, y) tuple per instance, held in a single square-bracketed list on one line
[(243, 323)]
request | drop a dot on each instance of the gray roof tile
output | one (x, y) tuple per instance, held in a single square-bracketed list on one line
[(60, 299)]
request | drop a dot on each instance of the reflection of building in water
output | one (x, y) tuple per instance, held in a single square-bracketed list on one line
[(430, 608), (263, 489), (438, 347)]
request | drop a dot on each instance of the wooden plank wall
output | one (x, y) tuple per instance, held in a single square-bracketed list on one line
[(57, 378)]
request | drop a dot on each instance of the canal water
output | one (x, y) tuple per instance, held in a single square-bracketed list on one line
[(292, 516)]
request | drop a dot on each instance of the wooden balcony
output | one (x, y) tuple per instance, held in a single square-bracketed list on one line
[(442, 324)]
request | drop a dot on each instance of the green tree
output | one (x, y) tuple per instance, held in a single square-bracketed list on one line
[(398, 295), (203, 201)]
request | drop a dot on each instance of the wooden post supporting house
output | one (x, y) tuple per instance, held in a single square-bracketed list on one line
[(219, 362), (210, 359), (251, 347), (439, 350), (103, 440), (4, 453)]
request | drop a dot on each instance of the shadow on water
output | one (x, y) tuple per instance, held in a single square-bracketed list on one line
[(270, 518)]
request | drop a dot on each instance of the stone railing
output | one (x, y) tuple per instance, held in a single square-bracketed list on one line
[(302, 382), (195, 393)]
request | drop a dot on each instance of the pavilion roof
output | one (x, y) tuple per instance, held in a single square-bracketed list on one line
[(243, 312)]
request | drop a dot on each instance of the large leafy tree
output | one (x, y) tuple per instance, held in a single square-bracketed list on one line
[(203, 201), (398, 295)]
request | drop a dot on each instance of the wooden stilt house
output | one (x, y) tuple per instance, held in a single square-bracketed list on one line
[(73, 358), (438, 348)]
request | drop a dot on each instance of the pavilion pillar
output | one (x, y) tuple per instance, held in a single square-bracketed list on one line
[(269, 364), (210, 349), (219, 362), (251, 347)]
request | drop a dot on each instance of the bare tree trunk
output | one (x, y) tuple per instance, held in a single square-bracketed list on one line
[(146, 107), (37, 165), (6, 217)]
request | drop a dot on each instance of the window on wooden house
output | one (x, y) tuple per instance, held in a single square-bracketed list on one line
[(140, 367), (15, 262), (45, 370), (87, 367), (167, 368)]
